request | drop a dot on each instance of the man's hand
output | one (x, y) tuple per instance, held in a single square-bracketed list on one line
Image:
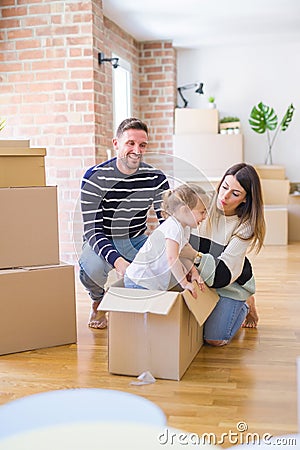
[(121, 265)]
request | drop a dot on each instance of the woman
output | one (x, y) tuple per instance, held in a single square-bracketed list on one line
[(235, 225)]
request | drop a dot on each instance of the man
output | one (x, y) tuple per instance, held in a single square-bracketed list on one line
[(115, 199)]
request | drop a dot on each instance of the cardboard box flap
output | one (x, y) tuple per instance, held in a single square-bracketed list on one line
[(138, 300), (22, 151), (202, 306)]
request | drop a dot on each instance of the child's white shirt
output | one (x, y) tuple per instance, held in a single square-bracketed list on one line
[(150, 267)]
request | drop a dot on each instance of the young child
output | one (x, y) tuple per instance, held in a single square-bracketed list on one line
[(159, 258)]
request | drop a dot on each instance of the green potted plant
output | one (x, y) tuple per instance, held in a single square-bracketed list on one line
[(211, 102), (230, 122), (264, 119)]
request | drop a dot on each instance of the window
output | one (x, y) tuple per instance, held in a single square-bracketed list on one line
[(122, 92)]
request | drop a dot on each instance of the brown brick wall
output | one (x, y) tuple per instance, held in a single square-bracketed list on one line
[(158, 91), (122, 44), (54, 93)]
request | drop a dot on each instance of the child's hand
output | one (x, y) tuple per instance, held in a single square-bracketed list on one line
[(196, 277), (190, 287)]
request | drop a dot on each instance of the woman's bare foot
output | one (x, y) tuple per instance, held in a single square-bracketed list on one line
[(97, 319), (216, 343), (251, 319)]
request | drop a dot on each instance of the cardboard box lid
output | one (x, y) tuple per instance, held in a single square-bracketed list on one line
[(138, 300), (141, 301), (15, 143), (15, 190), (19, 151), (23, 269)]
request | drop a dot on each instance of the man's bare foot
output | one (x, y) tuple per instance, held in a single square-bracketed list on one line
[(97, 319), (251, 319)]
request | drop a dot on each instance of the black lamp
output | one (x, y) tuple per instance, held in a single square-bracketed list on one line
[(199, 90), (114, 61)]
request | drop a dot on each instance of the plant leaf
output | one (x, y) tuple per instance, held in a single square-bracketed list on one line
[(2, 124), (287, 118), (263, 118)]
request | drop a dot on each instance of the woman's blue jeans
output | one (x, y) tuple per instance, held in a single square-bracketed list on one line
[(225, 320), (94, 269)]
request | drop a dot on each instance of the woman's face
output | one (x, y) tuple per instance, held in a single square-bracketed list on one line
[(230, 196)]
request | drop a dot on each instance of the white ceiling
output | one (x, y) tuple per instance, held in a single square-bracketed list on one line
[(194, 23)]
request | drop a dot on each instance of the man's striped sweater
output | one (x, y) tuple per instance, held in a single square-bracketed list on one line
[(115, 205)]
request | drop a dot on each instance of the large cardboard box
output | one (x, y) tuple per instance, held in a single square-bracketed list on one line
[(207, 155), (155, 331), (37, 308), (195, 121), (271, 172), (28, 227), (21, 166), (276, 225), (275, 192)]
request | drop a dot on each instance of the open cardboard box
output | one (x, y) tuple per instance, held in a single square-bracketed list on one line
[(155, 331)]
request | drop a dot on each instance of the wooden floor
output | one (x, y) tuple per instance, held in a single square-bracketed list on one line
[(252, 380)]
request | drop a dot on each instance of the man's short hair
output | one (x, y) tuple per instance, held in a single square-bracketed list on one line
[(131, 123)]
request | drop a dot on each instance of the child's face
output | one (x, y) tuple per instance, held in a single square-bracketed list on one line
[(193, 217)]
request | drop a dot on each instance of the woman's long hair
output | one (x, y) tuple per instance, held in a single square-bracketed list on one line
[(252, 209)]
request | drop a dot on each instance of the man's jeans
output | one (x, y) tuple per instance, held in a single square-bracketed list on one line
[(94, 269)]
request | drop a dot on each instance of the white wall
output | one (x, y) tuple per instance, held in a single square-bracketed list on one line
[(242, 76)]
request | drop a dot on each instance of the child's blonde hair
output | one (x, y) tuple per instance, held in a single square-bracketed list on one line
[(185, 194)]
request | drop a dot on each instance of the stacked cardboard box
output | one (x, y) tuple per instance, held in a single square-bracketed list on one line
[(37, 291), (200, 151), (294, 217), (276, 188), (28, 164)]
